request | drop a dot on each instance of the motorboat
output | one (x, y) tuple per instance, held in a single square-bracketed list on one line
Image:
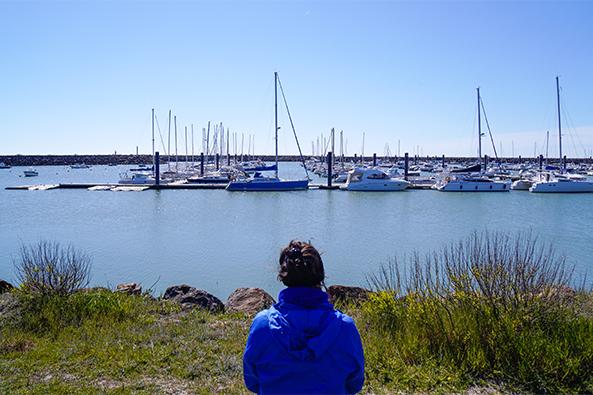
[(30, 172), (469, 183), (556, 183), (136, 178), (212, 178), (361, 179), (522, 184), (80, 166), (4, 165)]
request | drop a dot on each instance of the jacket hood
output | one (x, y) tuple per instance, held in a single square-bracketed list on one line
[(304, 322)]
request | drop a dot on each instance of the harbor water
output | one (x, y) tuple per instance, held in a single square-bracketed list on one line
[(218, 240)]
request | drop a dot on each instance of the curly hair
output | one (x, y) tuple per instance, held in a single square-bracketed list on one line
[(301, 265)]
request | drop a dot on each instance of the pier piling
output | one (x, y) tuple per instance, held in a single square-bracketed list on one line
[(406, 165), (443, 161), (329, 169), (374, 160), (201, 163), (485, 162), (157, 169), (541, 162), (564, 162), (217, 161)]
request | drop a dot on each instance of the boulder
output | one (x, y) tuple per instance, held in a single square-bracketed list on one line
[(345, 293), (129, 288), (248, 300), (190, 297), (10, 307), (5, 286)]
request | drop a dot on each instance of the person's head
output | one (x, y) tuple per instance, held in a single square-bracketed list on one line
[(301, 265)]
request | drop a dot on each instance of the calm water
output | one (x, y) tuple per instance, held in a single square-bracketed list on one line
[(218, 240)]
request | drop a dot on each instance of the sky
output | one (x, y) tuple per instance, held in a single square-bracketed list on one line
[(83, 77)]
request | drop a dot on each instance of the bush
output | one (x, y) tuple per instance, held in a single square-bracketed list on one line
[(49, 269), (492, 307)]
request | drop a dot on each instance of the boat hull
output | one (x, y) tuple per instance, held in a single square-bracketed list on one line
[(562, 187), (378, 187), (277, 185), (468, 186)]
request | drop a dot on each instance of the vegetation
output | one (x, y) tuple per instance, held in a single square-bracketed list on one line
[(492, 311)]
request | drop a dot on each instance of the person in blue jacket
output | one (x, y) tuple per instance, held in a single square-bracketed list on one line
[(302, 345)]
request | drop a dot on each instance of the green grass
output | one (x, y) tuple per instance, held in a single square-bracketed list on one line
[(112, 343)]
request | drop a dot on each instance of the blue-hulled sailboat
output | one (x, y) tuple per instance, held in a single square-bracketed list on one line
[(258, 182)]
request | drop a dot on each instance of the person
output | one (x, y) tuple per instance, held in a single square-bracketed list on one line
[(302, 345)]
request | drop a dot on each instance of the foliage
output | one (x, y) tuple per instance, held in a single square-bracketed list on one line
[(47, 268)]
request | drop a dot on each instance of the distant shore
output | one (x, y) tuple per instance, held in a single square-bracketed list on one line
[(131, 159)]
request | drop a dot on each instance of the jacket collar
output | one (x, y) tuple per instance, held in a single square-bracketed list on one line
[(305, 297)]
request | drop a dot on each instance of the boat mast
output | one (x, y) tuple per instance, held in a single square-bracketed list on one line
[(153, 164), (276, 117), (169, 144), (559, 122), (186, 156), (227, 145), (547, 144), (479, 128), (176, 154), (192, 143), (333, 148)]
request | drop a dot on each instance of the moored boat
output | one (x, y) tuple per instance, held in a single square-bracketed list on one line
[(360, 179)]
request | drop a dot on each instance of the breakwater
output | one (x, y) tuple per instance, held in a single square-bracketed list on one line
[(66, 160)]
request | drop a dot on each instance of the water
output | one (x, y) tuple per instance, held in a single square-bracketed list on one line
[(218, 240)]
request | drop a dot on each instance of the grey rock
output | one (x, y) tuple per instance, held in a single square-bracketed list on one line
[(129, 288), (347, 294), (248, 300), (5, 286), (189, 297)]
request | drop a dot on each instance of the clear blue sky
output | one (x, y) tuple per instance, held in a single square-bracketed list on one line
[(82, 77)]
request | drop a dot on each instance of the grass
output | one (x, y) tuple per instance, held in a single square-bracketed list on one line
[(492, 312)]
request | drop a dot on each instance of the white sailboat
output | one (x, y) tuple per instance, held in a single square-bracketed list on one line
[(562, 182), (458, 181)]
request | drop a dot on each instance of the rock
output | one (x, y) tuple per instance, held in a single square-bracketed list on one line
[(344, 293), (129, 288), (5, 286), (248, 300), (189, 297), (10, 308)]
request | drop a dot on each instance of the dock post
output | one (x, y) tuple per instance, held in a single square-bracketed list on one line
[(415, 159), (541, 162), (355, 158), (520, 159), (443, 161), (374, 160), (217, 161), (485, 162), (157, 169), (201, 163), (406, 165), (564, 162), (329, 169), (228, 159)]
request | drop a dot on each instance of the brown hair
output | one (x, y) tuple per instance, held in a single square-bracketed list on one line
[(301, 265)]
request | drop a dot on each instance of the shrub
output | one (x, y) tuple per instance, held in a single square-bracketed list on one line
[(492, 307), (49, 269)]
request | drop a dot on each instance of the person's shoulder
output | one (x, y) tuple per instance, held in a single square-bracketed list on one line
[(345, 318), (261, 321)]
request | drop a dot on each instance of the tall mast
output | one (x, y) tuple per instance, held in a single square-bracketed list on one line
[(169, 144), (153, 164), (559, 122), (333, 147), (479, 128), (186, 156), (176, 155), (227, 145), (276, 116), (547, 143), (192, 143)]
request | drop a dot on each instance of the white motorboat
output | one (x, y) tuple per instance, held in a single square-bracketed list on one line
[(136, 178), (551, 183), (30, 173), (468, 183), (522, 185), (80, 166), (373, 180)]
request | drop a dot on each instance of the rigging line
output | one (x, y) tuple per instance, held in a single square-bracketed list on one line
[(160, 134), (571, 125), (568, 127), (489, 131), (292, 125)]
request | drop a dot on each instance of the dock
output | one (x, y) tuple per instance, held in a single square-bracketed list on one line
[(173, 186)]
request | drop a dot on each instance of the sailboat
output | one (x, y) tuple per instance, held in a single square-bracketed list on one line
[(259, 182), (466, 180), (560, 183)]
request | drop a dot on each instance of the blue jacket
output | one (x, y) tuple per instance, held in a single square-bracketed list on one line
[(302, 345)]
